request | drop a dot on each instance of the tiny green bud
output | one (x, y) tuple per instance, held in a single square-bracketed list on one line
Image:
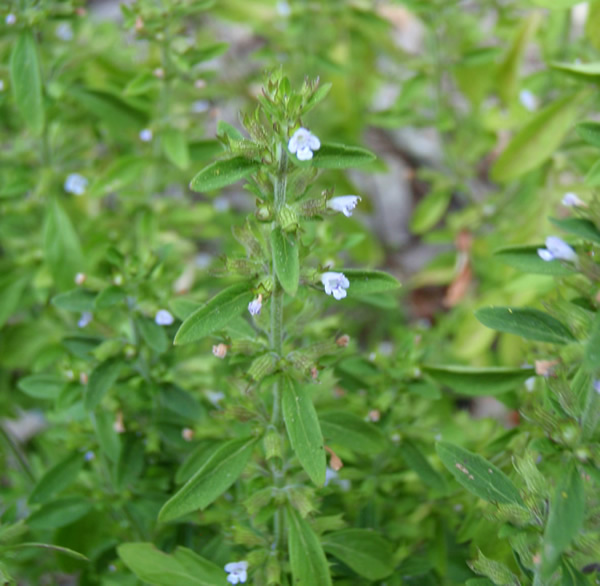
[(299, 498), (245, 536), (272, 444), (570, 434), (288, 219), (264, 213), (256, 558), (259, 500), (267, 284), (262, 366)]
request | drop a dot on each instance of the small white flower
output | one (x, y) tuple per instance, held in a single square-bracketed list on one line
[(571, 200), (335, 284), (303, 143), (528, 100), (163, 318), (1, 85), (556, 248), (80, 278), (89, 456), (344, 204), (255, 306), (238, 572), (85, 319), (215, 397), (146, 135), (10, 19), (75, 184), (64, 31)]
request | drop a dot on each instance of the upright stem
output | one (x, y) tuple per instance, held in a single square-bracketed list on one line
[(276, 343)]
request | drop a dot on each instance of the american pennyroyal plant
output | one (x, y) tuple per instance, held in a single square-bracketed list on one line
[(280, 450)]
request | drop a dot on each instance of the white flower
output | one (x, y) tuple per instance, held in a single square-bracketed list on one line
[(344, 204), (80, 278), (146, 135), (238, 572), (215, 397), (528, 100), (303, 143), (64, 31), (75, 184), (85, 319), (571, 200), (255, 306), (556, 248), (163, 318), (335, 284), (10, 19)]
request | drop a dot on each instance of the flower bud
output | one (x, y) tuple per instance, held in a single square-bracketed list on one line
[(272, 445), (288, 219), (264, 213), (187, 434), (80, 278), (220, 350), (262, 366), (343, 341), (118, 425)]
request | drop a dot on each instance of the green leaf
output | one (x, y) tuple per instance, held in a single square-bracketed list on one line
[(583, 71), (369, 282), (11, 290), (75, 300), (223, 173), (303, 429), (319, 95), (207, 53), (363, 550), (26, 81), (131, 462), (57, 548), (339, 156), (42, 386), (175, 147), (226, 129), (57, 478), (141, 84), (217, 474), (307, 560), (527, 260), (476, 381), (567, 512), (110, 297), (123, 172), (216, 314), (538, 140), (572, 577), (556, 4), (101, 380), (153, 334), (581, 227), (419, 463), (592, 347), (429, 211), (526, 322), (592, 177), (155, 567), (589, 131), (62, 249), (285, 260), (353, 432), (478, 475), (59, 513), (108, 439)]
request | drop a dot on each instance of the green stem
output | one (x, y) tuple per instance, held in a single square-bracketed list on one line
[(14, 448), (276, 343)]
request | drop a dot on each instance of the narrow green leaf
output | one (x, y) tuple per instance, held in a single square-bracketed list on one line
[(226, 129), (538, 140), (589, 131), (131, 462), (353, 432), (592, 347), (339, 156), (285, 260), (556, 4), (369, 282), (223, 173), (200, 567), (101, 380), (475, 381), (62, 249), (57, 478), (141, 84), (303, 429), (57, 548), (429, 211), (583, 71), (567, 511), (122, 173), (175, 147), (110, 297), (108, 439), (581, 227), (153, 334), (75, 300), (155, 567), (26, 81), (59, 513), (319, 95), (419, 463), (478, 475), (363, 550), (307, 560), (11, 289), (216, 314), (527, 260), (206, 53), (217, 474), (528, 323), (592, 177), (42, 386)]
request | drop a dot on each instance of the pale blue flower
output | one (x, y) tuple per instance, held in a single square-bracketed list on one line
[(75, 184), (163, 318), (238, 572), (557, 249), (571, 200), (255, 306), (335, 284), (344, 204), (303, 143)]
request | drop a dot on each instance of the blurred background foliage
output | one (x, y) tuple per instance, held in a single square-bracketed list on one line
[(129, 98)]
